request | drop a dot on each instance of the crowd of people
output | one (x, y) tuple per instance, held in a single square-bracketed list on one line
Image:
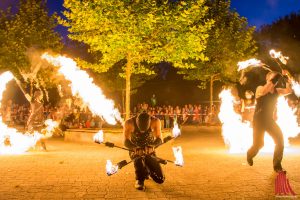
[(184, 115), (80, 117)]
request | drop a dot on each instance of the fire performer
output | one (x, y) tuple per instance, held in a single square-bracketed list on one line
[(266, 98), (142, 134), (36, 118), (248, 105)]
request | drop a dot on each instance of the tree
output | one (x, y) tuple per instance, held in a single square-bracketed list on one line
[(139, 32), (282, 35), (21, 34), (230, 40)]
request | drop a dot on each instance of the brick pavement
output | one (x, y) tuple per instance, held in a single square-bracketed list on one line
[(77, 171)]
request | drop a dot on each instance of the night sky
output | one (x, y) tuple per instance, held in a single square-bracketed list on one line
[(258, 12)]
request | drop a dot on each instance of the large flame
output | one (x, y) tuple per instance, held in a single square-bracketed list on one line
[(251, 62), (11, 141), (83, 85), (238, 135)]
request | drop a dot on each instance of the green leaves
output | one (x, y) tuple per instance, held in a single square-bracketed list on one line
[(30, 27), (229, 41), (151, 31)]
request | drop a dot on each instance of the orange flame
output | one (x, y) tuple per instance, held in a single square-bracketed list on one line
[(91, 94), (12, 141), (237, 135)]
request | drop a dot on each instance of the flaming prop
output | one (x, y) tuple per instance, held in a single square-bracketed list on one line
[(176, 131), (11, 141), (238, 135), (178, 156), (98, 137), (91, 94), (251, 62), (278, 54), (110, 168)]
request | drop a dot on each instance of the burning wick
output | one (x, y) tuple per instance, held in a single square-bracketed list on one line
[(98, 137), (176, 131), (178, 155), (110, 168)]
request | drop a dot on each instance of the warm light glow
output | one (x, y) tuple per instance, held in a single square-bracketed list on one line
[(98, 137), (176, 131), (277, 54), (11, 141), (251, 62), (110, 168), (296, 88), (83, 86), (178, 155), (50, 126), (237, 135)]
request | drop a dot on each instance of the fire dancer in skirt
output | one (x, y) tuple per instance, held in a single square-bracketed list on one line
[(142, 133), (36, 118), (266, 98)]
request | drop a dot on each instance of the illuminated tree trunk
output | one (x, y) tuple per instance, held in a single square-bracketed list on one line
[(128, 75), (211, 94)]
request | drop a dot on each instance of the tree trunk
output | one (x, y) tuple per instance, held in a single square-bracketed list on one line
[(128, 75), (211, 93)]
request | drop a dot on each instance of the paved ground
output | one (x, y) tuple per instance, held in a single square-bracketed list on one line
[(77, 171)]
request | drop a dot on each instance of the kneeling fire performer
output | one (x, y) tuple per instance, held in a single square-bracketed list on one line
[(36, 118), (266, 98), (142, 134)]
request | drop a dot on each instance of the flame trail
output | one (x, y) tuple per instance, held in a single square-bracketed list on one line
[(251, 62), (83, 85), (237, 135)]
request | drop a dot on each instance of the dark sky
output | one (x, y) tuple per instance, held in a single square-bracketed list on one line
[(261, 12), (258, 12)]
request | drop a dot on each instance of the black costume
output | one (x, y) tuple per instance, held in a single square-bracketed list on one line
[(147, 164), (263, 121)]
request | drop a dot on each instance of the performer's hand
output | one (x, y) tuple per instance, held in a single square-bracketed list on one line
[(138, 151), (149, 149)]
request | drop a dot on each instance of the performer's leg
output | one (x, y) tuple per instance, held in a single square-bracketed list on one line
[(275, 132), (258, 140), (155, 169), (140, 169)]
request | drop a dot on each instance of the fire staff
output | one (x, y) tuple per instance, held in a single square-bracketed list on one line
[(142, 134), (266, 98)]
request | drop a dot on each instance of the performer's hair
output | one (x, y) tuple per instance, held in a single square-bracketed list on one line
[(143, 121)]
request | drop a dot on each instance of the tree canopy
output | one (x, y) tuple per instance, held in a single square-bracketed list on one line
[(230, 40), (23, 32), (139, 32)]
